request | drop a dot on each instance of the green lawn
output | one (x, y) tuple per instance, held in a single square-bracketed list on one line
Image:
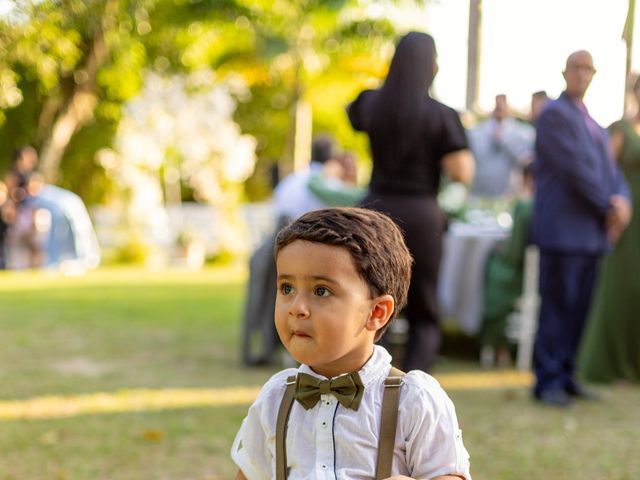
[(122, 328)]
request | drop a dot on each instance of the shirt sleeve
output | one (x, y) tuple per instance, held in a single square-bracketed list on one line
[(333, 192), (428, 422), (452, 135), (518, 142), (253, 449), (355, 111)]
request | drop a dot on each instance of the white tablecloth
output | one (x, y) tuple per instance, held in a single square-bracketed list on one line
[(460, 286)]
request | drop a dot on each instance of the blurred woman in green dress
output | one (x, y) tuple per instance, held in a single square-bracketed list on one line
[(610, 349)]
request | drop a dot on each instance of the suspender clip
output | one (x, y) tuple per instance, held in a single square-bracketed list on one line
[(393, 382)]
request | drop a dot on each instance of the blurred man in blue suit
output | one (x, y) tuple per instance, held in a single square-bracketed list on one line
[(581, 206)]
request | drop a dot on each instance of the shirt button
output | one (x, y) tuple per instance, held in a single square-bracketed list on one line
[(328, 402), (324, 467), (324, 424)]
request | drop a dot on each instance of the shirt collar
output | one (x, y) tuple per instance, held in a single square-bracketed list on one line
[(376, 366)]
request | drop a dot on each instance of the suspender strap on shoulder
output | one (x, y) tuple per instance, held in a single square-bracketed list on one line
[(281, 429), (388, 423)]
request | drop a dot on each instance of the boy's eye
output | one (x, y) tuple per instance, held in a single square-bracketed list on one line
[(322, 292), (286, 288)]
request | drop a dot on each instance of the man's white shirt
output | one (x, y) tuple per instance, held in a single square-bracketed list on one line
[(292, 197)]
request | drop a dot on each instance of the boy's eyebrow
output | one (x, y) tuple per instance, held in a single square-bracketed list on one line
[(308, 277)]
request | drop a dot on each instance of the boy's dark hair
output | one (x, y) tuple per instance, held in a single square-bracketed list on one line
[(372, 239)]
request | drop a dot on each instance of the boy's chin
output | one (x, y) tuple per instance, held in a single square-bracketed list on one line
[(300, 357)]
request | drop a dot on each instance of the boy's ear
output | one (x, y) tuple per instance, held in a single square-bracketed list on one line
[(381, 311)]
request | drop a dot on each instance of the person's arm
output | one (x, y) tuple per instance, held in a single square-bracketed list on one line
[(442, 477), (427, 421), (619, 215), (253, 449), (459, 166), (354, 112), (334, 194), (617, 143)]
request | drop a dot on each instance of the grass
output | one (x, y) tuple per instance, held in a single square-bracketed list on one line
[(118, 329)]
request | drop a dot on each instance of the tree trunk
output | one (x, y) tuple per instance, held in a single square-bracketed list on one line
[(627, 36), (303, 134), (287, 163), (473, 57), (78, 110)]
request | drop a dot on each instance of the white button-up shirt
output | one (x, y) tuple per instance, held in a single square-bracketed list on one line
[(329, 441), (292, 197), (499, 157)]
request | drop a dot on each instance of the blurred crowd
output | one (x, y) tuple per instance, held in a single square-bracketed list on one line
[(18, 222), (42, 225), (553, 179), (569, 187)]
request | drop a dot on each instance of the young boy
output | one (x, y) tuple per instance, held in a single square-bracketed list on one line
[(342, 275)]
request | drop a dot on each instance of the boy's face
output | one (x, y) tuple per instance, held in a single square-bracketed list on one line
[(325, 315)]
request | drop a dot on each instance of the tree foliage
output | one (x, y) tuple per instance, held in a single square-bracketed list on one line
[(67, 67)]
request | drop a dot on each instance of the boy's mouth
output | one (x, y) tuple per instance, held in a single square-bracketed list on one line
[(300, 334)]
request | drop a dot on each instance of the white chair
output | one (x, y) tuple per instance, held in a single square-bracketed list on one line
[(523, 323)]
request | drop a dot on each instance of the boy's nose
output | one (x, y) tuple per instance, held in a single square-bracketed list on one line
[(299, 307)]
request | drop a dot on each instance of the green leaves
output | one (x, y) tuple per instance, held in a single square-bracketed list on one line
[(321, 51)]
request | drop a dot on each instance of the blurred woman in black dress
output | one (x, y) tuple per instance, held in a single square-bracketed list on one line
[(414, 139)]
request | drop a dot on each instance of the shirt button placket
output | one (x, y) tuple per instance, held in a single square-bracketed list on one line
[(324, 438)]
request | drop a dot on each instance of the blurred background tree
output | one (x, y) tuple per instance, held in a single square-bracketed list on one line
[(74, 64), (67, 67)]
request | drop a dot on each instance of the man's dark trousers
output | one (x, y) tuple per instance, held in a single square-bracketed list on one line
[(566, 284)]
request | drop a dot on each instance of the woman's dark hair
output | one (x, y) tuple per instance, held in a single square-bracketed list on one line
[(398, 106)]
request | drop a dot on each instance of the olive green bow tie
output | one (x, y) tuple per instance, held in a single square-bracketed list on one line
[(348, 389)]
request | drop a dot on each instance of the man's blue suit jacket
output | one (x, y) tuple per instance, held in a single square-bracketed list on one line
[(575, 176)]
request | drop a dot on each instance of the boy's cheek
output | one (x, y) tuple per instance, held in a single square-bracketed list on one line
[(282, 327)]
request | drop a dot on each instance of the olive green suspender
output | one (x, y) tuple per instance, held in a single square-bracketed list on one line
[(386, 439)]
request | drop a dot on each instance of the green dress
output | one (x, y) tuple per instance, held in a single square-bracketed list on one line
[(503, 278), (610, 348)]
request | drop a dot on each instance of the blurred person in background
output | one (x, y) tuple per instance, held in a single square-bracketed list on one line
[(611, 347), (504, 277), (292, 197), (4, 222), (581, 205), (18, 218), (502, 146), (25, 162), (26, 235), (52, 229), (413, 139), (539, 100), (336, 184)]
